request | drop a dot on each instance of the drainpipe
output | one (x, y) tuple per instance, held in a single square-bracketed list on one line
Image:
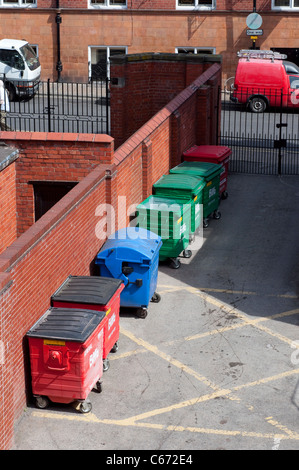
[(58, 20)]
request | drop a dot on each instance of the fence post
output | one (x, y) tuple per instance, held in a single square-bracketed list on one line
[(49, 106), (107, 106), (280, 126)]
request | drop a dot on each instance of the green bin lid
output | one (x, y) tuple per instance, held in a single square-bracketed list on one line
[(203, 169), (178, 184), (162, 203)]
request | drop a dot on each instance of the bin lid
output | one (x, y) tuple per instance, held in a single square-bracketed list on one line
[(87, 290), (204, 169), (69, 324), (217, 152), (162, 203), (177, 184), (133, 244)]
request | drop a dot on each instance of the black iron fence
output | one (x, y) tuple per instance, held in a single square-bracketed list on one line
[(263, 134), (62, 107)]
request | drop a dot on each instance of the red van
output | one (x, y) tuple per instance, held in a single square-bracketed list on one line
[(264, 79)]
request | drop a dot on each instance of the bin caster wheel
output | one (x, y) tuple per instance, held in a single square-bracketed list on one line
[(175, 264), (106, 364), (142, 312), (156, 297), (205, 223), (217, 215), (187, 253), (224, 195), (42, 402), (85, 406), (115, 347), (99, 386)]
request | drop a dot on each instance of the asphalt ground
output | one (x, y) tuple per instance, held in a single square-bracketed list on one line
[(215, 364)]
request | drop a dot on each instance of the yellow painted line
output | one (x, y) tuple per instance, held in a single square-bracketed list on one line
[(226, 291), (266, 380), (91, 418), (233, 311), (126, 354), (283, 428), (169, 359), (176, 406), (246, 322)]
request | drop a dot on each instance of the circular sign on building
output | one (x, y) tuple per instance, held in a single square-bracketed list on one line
[(254, 21)]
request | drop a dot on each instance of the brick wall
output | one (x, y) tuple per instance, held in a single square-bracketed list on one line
[(228, 5), (8, 219), (144, 83), (144, 27), (65, 240), (53, 157)]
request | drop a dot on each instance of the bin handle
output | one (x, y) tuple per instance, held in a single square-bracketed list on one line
[(58, 368)]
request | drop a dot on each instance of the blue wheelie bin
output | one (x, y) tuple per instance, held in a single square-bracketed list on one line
[(132, 255)]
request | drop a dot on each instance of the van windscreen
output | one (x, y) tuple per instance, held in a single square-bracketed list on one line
[(30, 57), (291, 67)]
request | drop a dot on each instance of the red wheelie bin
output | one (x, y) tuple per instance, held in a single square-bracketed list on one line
[(94, 293), (214, 154), (65, 347)]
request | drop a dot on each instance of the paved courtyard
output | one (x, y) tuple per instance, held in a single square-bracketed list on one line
[(215, 364)]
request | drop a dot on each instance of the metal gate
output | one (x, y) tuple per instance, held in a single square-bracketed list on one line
[(262, 143)]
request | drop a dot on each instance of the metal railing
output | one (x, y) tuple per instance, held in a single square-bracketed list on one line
[(62, 107), (263, 141)]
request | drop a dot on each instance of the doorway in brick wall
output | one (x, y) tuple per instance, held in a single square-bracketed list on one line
[(47, 194)]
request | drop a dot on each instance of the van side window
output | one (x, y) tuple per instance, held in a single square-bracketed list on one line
[(294, 82), (12, 58)]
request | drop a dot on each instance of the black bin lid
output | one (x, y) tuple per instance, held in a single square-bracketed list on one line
[(69, 324), (87, 290)]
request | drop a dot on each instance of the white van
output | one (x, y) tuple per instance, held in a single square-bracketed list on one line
[(19, 67)]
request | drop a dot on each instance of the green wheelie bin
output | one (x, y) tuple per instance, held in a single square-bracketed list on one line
[(169, 219), (183, 188), (210, 172)]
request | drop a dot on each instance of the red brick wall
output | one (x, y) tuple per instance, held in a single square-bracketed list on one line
[(8, 219), (64, 240), (147, 82), (53, 157), (229, 5)]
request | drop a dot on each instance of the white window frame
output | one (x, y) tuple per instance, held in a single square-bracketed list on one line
[(291, 7), (108, 49), (196, 6), (107, 5), (18, 4), (196, 50)]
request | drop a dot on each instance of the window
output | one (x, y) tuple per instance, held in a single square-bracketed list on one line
[(108, 3), (99, 59), (12, 59), (18, 3), (195, 50), (199, 4), (285, 4)]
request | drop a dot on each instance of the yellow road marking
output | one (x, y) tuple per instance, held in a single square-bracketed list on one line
[(91, 418), (226, 291), (168, 358), (134, 421)]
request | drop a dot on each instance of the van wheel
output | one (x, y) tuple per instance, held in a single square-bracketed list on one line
[(257, 104)]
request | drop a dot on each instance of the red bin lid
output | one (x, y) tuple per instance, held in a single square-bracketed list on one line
[(209, 151)]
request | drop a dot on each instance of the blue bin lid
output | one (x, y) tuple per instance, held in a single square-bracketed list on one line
[(133, 244), (68, 324)]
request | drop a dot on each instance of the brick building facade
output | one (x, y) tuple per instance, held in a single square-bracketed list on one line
[(91, 31)]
